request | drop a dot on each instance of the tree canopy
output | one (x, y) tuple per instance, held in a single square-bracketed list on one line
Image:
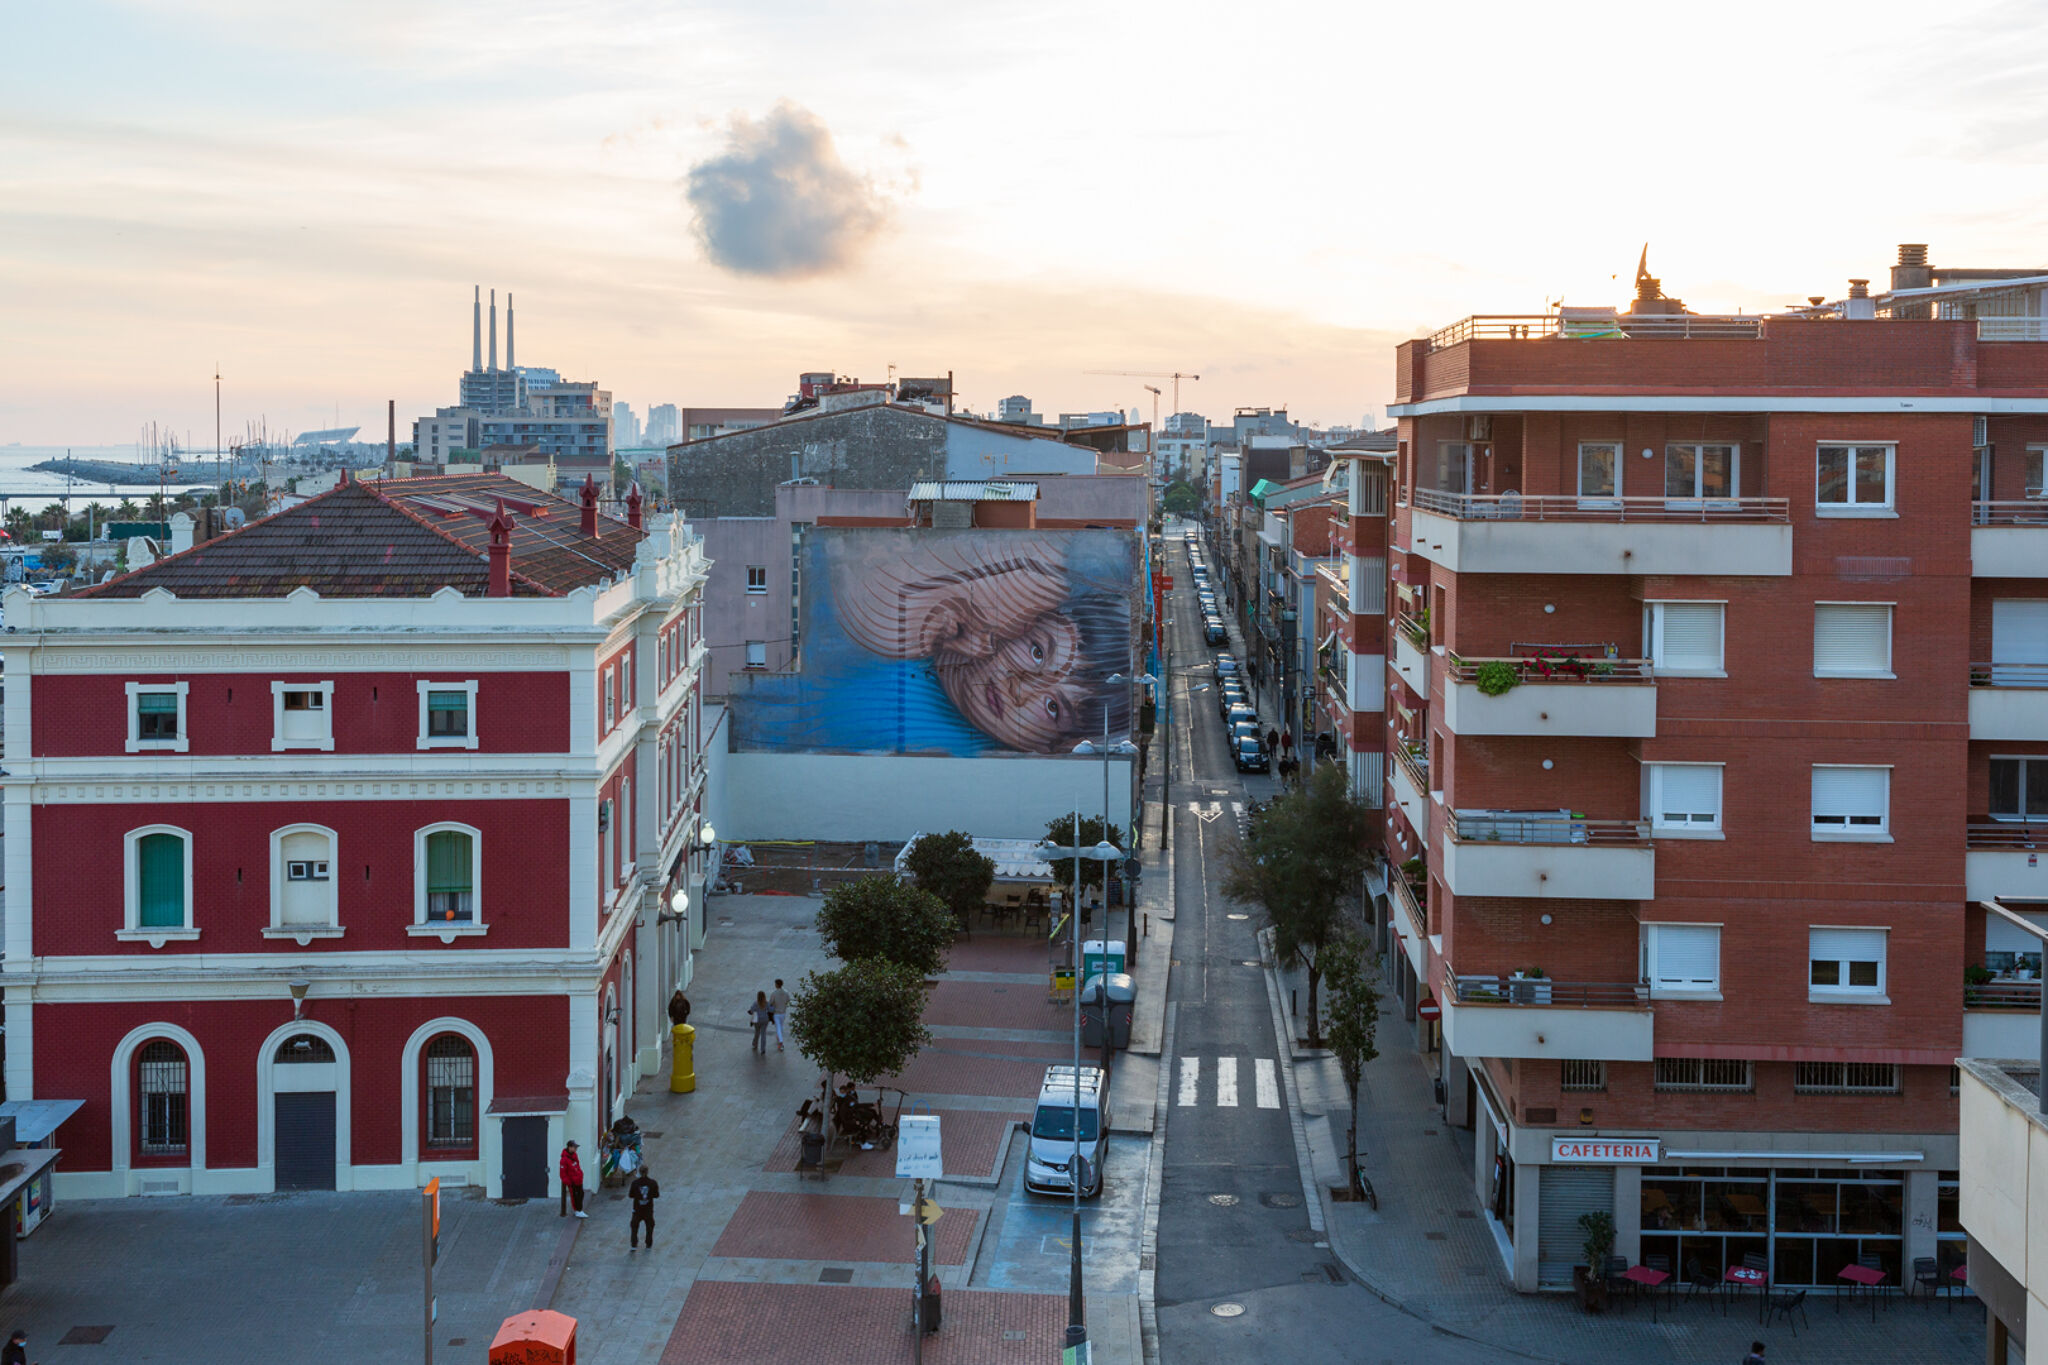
[(1180, 499), (948, 866), (1060, 832), (863, 1020), (881, 917), (1354, 1019)]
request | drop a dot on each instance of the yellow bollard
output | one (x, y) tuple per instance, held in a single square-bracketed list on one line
[(683, 1079)]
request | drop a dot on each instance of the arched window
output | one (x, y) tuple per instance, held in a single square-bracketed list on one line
[(163, 1083), (304, 1047), (449, 1110)]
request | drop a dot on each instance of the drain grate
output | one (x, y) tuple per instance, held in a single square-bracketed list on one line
[(1333, 1272), (458, 1341), (650, 1133), (836, 1274), (85, 1336), (1437, 1236), (1221, 1201), (1429, 1132), (1466, 1213), (1281, 1200)]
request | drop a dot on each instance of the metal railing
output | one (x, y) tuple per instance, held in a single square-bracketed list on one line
[(1543, 326), (2008, 675), (1513, 506), (2012, 329), (1417, 633), (2002, 995), (1397, 883), (1415, 765), (2011, 835), (1541, 827), (1555, 668), (2030, 511), (1482, 989)]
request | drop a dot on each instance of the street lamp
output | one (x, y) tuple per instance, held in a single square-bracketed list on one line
[(1103, 852)]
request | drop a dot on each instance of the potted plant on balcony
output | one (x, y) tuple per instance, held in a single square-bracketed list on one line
[(1496, 676), (1590, 1279), (1530, 987), (1975, 976)]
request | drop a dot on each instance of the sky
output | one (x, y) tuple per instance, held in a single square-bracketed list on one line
[(694, 202)]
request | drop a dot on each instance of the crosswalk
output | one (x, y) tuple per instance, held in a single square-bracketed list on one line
[(1224, 1091)]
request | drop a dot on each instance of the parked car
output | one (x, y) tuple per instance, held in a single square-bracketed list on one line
[(1250, 756), (1243, 729), (1214, 632), (1238, 713), (1046, 1168)]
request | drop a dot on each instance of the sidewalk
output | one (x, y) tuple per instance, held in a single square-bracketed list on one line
[(1428, 1249), (757, 1264)]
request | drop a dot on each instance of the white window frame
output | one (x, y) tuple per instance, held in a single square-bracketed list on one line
[(2019, 817), (753, 645), (2035, 471), (1699, 496), (136, 743), (278, 743), (628, 693), (421, 926), (1650, 957), (610, 685), (1852, 508), (1890, 637), (760, 589), (427, 741), (1869, 995), (622, 824), (1613, 499), (1653, 802), (132, 928), (1881, 833), (1653, 637), (280, 873)]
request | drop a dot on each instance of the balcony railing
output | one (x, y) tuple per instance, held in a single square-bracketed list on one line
[(2028, 511), (1555, 668), (1414, 764), (2009, 835), (1417, 633), (1542, 326), (1542, 990), (1542, 827), (2002, 995), (1405, 894), (2008, 675), (1531, 507), (2012, 329)]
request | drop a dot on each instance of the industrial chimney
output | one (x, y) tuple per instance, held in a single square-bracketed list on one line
[(1912, 272), (476, 331), (494, 330), (508, 329)]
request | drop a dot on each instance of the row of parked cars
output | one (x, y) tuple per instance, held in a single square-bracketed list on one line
[(1213, 629), (1240, 721)]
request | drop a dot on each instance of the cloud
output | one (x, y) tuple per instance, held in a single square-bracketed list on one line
[(778, 201)]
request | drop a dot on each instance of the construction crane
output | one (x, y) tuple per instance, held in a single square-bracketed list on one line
[(1175, 375)]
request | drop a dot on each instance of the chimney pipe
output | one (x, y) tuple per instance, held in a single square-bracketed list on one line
[(501, 553), (476, 331), (508, 329), (633, 504), (391, 430), (494, 330), (1860, 307), (1912, 272), (589, 523)]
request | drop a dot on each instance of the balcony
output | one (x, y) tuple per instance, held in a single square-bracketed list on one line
[(1547, 855), (1556, 694), (1410, 922), (1511, 533), (2009, 539), (1411, 654), (1520, 1016), (1411, 787), (2002, 1018), (2003, 858), (2009, 701)]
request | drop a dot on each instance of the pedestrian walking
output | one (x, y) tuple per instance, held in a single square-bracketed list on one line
[(642, 1192), (1273, 743), (761, 1016), (1756, 1354), (1287, 741), (679, 1009), (571, 1167), (17, 1349), (779, 1002)]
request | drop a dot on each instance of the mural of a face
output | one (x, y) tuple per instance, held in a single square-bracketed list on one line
[(1027, 693)]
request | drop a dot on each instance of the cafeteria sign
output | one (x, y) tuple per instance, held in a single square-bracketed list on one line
[(1604, 1151)]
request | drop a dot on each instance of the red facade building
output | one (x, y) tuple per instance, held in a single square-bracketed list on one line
[(357, 847), (1719, 700)]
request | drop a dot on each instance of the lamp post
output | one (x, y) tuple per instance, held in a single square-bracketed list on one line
[(1104, 852)]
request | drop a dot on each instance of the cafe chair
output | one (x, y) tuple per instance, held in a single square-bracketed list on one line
[(1617, 1279), (1926, 1277), (1698, 1281), (1785, 1305)]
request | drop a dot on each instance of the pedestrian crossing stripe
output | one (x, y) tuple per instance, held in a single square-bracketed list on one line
[(1265, 1083)]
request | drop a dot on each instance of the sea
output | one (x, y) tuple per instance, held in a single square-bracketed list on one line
[(18, 480)]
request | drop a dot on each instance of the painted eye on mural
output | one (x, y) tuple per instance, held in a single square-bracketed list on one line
[(1037, 652), (1052, 708)]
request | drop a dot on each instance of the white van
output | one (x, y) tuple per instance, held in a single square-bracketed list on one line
[(1052, 1132)]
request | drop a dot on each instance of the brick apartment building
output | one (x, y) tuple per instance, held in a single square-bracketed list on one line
[(1719, 701), (343, 850)]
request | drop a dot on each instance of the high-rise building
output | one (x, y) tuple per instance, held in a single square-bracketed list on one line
[(1719, 705), (519, 406), (663, 427), (625, 425)]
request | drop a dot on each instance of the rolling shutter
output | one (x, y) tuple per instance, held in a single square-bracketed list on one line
[(1686, 794), (2019, 636), (1851, 798), (1568, 1191), (1851, 640), (1685, 957), (1690, 636)]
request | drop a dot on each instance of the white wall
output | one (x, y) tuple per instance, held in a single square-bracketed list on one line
[(850, 797)]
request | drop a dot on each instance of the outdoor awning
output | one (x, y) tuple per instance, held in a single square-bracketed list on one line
[(36, 1120), (1328, 640)]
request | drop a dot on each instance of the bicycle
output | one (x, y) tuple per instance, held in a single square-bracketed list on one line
[(1363, 1181)]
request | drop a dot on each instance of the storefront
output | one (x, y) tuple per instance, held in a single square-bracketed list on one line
[(1806, 1221)]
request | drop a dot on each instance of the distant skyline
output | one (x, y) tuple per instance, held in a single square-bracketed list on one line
[(693, 204)]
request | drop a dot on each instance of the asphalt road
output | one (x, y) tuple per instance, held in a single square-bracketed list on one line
[(1232, 1226)]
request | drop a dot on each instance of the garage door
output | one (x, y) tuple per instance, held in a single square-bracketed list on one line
[(1568, 1191), (305, 1140)]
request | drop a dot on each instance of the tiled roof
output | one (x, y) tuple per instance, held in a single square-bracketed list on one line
[(395, 538)]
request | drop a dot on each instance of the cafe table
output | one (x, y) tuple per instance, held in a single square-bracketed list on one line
[(1743, 1277), (1646, 1278), (1863, 1280)]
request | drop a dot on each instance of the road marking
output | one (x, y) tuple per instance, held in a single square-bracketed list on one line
[(1268, 1081), (1226, 1082), (1190, 1079), (1205, 813)]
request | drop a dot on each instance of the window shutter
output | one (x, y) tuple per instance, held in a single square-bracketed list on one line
[(1692, 636), (447, 862), (160, 881), (1686, 956), (1851, 639), (1689, 794), (1846, 945), (1842, 793)]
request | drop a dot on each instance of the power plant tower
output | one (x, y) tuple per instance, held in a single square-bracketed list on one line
[(508, 332), (494, 329), (476, 331)]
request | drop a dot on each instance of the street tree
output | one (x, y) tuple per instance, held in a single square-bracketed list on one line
[(881, 917), (1180, 499), (863, 1020), (948, 866), (1060, 833), (1354, 1019), (1299, 862)]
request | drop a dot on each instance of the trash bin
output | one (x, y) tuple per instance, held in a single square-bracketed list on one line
[(1101, 955), (1107, 1003)]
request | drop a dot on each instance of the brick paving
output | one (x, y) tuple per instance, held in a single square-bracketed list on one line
[(732, 1323), (836, 1227), (972, 1141), (1005, 952), (959, 1067), (968, 1004)]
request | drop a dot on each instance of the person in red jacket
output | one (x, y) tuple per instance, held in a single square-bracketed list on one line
[(572, 1177)]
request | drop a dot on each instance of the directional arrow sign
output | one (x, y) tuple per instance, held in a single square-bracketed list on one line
[(929, 1212)]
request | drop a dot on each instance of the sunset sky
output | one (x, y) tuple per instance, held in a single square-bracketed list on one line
[(1269, 195)]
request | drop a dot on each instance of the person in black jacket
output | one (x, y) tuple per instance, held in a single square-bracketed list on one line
[(642, 1193), (17, 1349)]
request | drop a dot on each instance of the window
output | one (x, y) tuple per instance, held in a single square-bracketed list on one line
[(1845, 1078), (611, 700), (1853, 479), (2019, 788), (625, 682), (1851, 801), (450, 1083), (157, 885), (448, 868), (163, 1080), (306, 872), (1599, 473), (1684, 637), (1703, 1073), (2035, 459), (757, 578), (757, 654), (301, 716), (447, 715), (1685, 796), (1581, 1075), (626, 826), (1845, 961), (1852, 640), (156, 718), (1682, 959), (1702, 471)]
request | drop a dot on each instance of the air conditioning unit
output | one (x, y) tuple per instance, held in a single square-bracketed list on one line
[(1479, 427)]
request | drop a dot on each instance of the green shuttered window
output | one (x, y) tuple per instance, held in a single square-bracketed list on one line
[(160, 878)]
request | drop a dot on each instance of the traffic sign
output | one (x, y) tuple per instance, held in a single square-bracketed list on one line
[(928, 1212), (1429, 1009)]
